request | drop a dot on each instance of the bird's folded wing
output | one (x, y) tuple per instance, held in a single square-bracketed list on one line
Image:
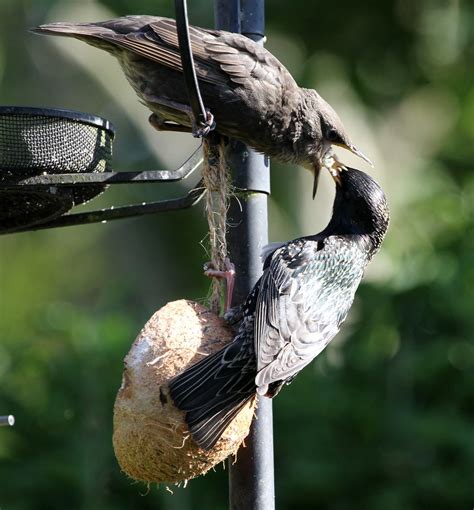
[(219, 56), (291, 326), (276, 306), (238, 57)]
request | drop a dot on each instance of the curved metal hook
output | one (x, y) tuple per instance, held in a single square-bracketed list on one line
[(202, 117)]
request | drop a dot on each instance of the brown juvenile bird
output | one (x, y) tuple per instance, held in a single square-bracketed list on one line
[(251, 94)]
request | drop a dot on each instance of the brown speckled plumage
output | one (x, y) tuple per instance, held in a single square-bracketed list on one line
[(251, 94)]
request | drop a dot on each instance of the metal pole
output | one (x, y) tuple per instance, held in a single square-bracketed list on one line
[(251, 481)]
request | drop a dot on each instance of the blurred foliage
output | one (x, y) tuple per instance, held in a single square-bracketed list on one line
[(383, 418)]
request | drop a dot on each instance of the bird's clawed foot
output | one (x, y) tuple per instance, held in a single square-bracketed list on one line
[(204, 128), (228, 275)]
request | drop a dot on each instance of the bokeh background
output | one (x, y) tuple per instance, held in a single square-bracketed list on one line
[(384, 417)]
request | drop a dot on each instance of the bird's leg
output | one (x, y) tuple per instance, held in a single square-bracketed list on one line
[(167, 104), (161, 124), (228, 275), (198, 129)]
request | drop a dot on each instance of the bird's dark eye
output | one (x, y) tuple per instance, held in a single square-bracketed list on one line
[(332, 135)]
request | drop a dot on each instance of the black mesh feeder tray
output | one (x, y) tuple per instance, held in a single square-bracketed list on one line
[(52, 160), (35, 141)]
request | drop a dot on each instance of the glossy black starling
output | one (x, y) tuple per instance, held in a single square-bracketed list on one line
[(250, 93), (292, 313)]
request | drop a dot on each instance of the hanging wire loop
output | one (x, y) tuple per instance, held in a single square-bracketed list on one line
[(203, 118)]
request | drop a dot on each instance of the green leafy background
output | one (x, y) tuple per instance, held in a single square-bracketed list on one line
[(383, 418)]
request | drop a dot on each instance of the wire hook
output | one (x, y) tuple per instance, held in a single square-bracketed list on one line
[(204, 118)]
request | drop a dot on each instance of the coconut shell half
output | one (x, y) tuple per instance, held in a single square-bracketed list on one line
[(151, 440)]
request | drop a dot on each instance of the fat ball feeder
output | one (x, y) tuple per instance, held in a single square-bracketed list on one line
[(151, 438)]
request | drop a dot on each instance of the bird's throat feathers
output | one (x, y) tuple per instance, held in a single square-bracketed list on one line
[(360, 209)]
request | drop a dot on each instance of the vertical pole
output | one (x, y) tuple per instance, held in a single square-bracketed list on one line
[(251, 483)]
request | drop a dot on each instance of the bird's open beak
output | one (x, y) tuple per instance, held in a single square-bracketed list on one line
[(334, 170), (317, 171), (361, 155)]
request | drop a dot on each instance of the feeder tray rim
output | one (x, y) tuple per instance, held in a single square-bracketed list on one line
[(73, 115)]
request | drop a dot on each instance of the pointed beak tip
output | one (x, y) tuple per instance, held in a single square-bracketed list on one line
[(361, 155)]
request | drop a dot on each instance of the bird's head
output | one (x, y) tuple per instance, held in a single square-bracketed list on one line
[(332, 133), (360, 207)]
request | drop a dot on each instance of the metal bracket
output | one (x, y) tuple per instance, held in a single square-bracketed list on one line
[(193, 196), (84, 179)]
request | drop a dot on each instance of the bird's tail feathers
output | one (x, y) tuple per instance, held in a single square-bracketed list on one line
[(207, 430), (97, 36), (211, 393), (193, 387), (69, 29)]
